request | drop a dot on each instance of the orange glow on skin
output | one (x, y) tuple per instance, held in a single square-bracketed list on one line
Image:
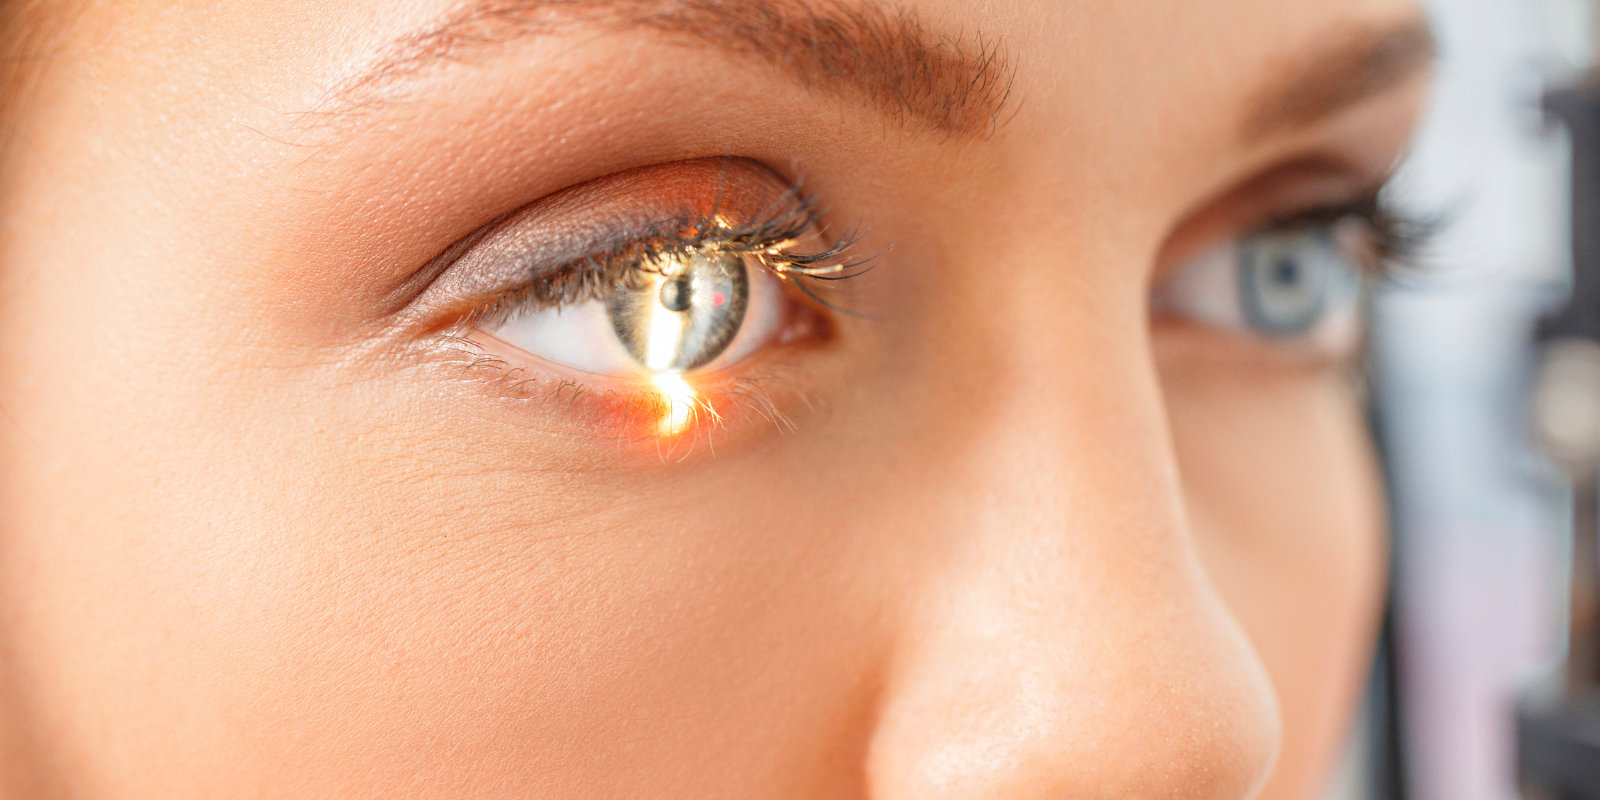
[(678, 401)]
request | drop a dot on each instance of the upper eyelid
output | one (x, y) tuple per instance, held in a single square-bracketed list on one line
[(552, 237), (1365, 205), (615, 249), (1397, 236), (511, 251)]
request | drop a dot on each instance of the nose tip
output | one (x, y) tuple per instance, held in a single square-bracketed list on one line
[(1169, 704)]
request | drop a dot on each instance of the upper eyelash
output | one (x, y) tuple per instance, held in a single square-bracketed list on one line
[(1399, 236), (1402, 236), (768, 238)]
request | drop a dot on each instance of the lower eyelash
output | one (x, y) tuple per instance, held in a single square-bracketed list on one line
[(629, 415)]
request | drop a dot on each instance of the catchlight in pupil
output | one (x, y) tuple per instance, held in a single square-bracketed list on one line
[(669, 318)]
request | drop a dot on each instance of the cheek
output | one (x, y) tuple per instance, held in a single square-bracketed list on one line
[(1283, 496), (377, 604)]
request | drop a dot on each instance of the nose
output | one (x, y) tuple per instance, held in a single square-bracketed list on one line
[(1063, 640)]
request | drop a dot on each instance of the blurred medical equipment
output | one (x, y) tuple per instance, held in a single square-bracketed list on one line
[(1559, 728)]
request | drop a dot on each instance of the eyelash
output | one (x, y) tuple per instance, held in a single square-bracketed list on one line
[(1397, 237), (767, 240)]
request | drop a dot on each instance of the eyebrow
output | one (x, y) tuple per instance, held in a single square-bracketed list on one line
[(1352, 66), (955, 86), (887, 56)]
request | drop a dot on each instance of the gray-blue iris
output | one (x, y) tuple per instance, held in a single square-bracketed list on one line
[(1288, 279)]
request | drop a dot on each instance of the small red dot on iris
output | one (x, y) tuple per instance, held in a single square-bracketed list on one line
[(717, 299)]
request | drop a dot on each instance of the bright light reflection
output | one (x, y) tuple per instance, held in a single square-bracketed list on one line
[(666, 326), (678, 401)]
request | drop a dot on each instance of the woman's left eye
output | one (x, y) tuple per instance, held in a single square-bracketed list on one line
[(673, 312), (1297, 284)]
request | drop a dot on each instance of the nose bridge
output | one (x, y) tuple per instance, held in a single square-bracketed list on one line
[(1064, 641)]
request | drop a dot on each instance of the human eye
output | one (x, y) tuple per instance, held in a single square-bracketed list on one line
[(664, 310), (1296, 282), (657, 285)]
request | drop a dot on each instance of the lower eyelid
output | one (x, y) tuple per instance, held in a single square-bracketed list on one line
[(727, 403), (730, 396)]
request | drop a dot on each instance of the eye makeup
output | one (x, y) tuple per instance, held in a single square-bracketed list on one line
[(651, 286)]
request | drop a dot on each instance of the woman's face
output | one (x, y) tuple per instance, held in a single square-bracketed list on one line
[(456, 399)]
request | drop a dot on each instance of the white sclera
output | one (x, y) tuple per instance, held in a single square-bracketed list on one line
[(763, 319), (1210, 287), (583, 337), (1206, 289), (577, 336)]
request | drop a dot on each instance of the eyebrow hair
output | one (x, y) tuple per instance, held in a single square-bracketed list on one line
[(1353, 66), (863, 49)]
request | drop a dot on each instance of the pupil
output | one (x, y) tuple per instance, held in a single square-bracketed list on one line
[(1286, 272), (677, 294)]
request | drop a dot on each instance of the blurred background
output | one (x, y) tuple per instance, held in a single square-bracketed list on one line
[(1481, 524)]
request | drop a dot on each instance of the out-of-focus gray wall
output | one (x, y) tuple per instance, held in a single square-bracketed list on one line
[(1479, 517)]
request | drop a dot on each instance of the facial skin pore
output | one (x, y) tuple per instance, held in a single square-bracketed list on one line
[(995, 532)]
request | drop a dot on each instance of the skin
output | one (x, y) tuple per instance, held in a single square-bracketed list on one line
[(1020, 541)]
